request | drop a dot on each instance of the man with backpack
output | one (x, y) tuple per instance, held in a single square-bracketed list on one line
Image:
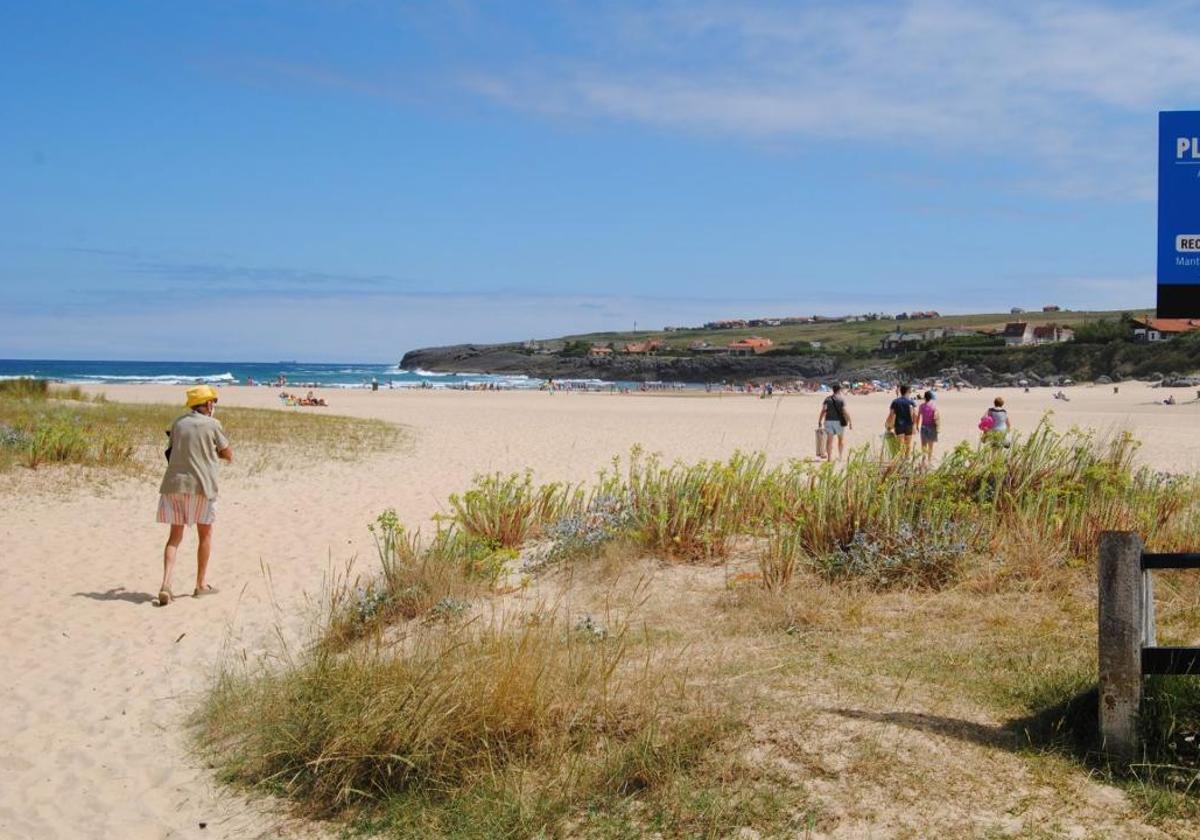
[(834, 421)]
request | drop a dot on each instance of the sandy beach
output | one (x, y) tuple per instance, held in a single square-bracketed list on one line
[(96, 683)]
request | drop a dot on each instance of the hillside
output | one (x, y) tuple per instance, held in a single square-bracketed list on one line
[(828, 349)]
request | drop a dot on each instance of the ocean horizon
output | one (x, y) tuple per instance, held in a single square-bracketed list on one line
[(312, 374)]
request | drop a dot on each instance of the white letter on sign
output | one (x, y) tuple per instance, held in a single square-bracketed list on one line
[(1182, 144)]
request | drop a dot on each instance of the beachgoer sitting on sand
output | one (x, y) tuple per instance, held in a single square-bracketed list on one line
[(1169, 400)]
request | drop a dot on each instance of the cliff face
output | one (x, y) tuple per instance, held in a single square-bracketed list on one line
[(505, 358)]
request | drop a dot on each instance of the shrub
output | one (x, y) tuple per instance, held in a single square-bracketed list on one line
[(584, 534), (922, 556), (24, 388), (507, 510), (59, 440), (690, 512)]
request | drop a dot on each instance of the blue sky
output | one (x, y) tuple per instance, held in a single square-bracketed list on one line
[(348, 180)]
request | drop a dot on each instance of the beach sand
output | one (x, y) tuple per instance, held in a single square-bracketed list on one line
[(96, 684)]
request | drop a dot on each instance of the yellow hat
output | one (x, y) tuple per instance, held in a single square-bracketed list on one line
[(200, 395)]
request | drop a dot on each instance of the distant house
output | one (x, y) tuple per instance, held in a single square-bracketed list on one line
[(1016, 310), (897, 342), (734, 324), (600, 351), (750, 346), (1052, 334), (903, 316), (1161, 329), (930, 313), (1051, 308), (1017, 333), (643, 348)]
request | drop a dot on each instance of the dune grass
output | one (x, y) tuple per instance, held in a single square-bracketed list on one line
[(433, 704), (500, 727), (42, 424)]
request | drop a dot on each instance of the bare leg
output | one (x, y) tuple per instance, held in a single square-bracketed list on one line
[(841, 445), (203, 552), (169, 552)]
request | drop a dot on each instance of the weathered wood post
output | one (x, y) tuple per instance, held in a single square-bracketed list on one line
[(1123, 631)]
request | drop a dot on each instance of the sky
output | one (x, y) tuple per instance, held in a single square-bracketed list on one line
[(344, 181)]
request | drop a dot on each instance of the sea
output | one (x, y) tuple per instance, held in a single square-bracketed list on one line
[(297, 374)]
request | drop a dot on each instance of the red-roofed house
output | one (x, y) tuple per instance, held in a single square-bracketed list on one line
[(750, 346), (643, 348), (1160, 329)]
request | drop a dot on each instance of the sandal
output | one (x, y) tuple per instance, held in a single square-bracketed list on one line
[(208, 589), (164, 597)]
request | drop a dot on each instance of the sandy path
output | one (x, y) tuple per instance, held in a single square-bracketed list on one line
[(95, 683)]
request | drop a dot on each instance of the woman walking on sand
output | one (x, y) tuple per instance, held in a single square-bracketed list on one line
[(928, 420), (833, 421), (188, 494)]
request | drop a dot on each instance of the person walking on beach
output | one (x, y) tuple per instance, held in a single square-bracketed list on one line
[(835, 420), (188, 493), (902, 419), (928, 420)]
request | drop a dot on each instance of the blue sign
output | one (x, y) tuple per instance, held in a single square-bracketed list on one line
[(1179, 214)]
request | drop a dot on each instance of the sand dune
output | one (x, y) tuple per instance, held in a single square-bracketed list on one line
[(96, 684)]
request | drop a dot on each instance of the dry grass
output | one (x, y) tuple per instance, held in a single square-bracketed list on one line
[(514, 722), (42, 426)]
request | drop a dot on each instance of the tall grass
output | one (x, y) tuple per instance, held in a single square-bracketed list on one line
[(42, 425), (439, 579), (524, 713), (889, 524), (24, 388), (27, 388)]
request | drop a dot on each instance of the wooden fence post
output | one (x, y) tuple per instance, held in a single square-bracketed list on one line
[(1123, 631)]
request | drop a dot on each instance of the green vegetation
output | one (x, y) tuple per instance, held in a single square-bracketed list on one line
[(42, 424), (852, 338), (1100, 348), (508, 510), (1102, 345), (442, 699)]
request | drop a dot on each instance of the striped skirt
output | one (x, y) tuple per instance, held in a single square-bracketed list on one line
[(186, 509)]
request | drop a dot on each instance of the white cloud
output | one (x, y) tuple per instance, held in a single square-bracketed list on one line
[(1069, 91)]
